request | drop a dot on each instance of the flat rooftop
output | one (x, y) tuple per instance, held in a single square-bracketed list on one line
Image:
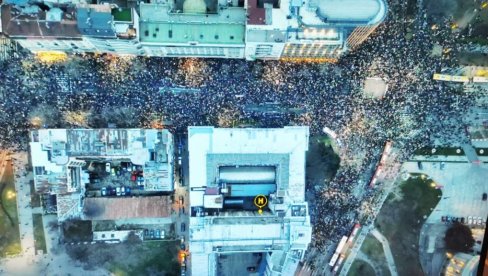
[(38, 23), (360, 12), (283, 228), (284, 147), (158, 25), (104, 208), (54, 150)]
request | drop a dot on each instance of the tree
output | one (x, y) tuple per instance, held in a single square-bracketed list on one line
[(76, 118), (458, 238), (122, 117), (44, 115)]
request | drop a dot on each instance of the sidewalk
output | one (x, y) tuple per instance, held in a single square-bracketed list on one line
[(22, 187), (387, 250), (27, 263)]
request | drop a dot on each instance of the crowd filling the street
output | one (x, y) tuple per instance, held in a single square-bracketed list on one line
[(98, 91)]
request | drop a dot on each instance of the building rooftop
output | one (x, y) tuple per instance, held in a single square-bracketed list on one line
[(352, 10), (271, 161), (285, 147), (104, 208), (35, 22), (159, 25), (356, 12), (55, 152), (256, 15), (95, 20)]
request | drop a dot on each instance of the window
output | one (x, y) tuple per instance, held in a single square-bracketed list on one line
[(39, 170)]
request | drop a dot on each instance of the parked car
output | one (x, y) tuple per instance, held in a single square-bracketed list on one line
[(146, 232), (182, 245), (127, 190), (104, 191), (470, 220), (183, 227), (117, 191), (151, 234), (443, 218), (462, 220), (480, 221), (484, 197), (158, 234), (122, 191), (251, 268), (107, 167)]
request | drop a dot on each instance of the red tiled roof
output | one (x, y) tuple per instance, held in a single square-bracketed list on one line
[(113, 208), (255, 15), (15, 24)]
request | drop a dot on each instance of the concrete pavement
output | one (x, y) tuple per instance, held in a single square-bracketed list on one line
[(389, 177), (462, 186), (27, 263), (387, 250), (24, 211)]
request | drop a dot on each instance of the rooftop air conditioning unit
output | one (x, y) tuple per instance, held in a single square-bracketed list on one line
[(281, 193)]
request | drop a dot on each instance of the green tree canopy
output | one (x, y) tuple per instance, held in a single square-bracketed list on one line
[(458, 238)]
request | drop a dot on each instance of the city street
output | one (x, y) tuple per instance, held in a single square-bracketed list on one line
[(100, 90)]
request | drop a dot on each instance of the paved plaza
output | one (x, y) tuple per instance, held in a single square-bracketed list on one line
[(462, 187)]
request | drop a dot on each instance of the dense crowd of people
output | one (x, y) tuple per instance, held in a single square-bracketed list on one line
[(94, 91)]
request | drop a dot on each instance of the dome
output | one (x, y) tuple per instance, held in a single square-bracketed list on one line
[(364, 11)]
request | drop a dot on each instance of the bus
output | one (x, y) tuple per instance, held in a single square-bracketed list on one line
[(354, 232), (341, 245), (333, 260)]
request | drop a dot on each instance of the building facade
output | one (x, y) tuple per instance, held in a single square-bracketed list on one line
[(251, 29), (229, 170)]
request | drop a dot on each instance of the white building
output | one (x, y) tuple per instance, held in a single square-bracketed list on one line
[(251, 29), (228, 168), (75, 163)]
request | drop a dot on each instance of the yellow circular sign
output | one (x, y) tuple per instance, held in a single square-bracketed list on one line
[(260, 201)]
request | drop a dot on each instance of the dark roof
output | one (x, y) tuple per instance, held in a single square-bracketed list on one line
[(95, 23), (256, 15), (16, 25)]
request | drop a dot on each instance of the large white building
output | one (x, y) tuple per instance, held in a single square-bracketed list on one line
[(228, 169), (77, 164), (251, 29)]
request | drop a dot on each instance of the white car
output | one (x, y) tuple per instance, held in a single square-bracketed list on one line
[(480, 221), (117, 191), (107, 167), (470, 220)]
